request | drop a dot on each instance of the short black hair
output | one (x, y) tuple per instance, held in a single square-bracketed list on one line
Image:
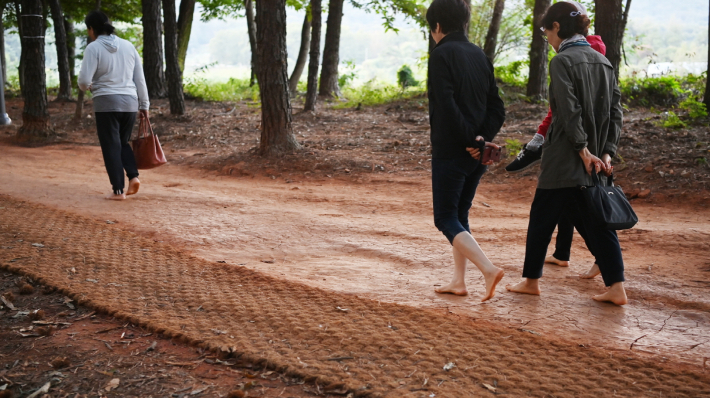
[(451, 15), (99, 22), (570, 19)]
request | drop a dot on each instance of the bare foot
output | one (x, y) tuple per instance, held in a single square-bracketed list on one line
[(133, 186), (594, 271), (491, 283), (616, 295), (553, 260), (458, 289), (113, 196), (526, 286)]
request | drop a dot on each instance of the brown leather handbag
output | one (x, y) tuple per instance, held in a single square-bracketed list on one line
[(146, 148)]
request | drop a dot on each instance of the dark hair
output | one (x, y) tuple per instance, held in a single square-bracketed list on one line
[(98, 21), (451, 15), (570, 19)]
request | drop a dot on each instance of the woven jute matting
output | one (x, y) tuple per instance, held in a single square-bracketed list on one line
[(344, 343)]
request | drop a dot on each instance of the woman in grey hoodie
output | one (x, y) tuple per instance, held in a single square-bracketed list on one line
[(113, 71)]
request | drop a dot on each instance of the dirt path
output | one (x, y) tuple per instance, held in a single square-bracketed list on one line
[(377, 240)]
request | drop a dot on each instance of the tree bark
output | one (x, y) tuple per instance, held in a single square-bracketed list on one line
[(172, 67), (314, 56), (302, 55), (331, 52), (20, 68), (60, 36), (35, 114), (184, 26), (706, 100), (251, 29), (276, 128), (2, 53), (489, 47), (71, 48), (153, 49), (610, 24), (537, 76)]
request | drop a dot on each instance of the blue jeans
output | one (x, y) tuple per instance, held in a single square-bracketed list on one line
[(454, 182)]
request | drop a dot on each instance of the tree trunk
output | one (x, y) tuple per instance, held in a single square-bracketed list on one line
[(35, 114), (78, 113), (2, 53), (153, 49), (706, 100), (302, 55), (184, 26), (331, 52), (610, 24), (251, 29), (71, 48), (276, 129), (314, 57), (20, 68), (172, 67), (489, 47), (537, 76), (60, 36)]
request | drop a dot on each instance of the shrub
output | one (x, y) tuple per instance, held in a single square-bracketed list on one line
[(672, 121), (349, 75), (377, 93), (511, 74), (662, 91), (513, 146), (695, 108), (405, 77)]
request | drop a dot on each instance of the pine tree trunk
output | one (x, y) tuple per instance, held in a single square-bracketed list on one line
[(314, 56), (610, 24), (302, 55), (537, 76), (153, 49), (35, 114), (706, 100), (20, 68), (331, 52), (184, 26), (71, 48), (60, 36), (276, 129), (251, 29), (489, 47), (2, 53), (172, 67)]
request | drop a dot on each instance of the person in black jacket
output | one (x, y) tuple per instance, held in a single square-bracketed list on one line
[(465, 110)]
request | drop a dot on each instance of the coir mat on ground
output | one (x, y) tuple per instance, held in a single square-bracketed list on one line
[(344, 343)]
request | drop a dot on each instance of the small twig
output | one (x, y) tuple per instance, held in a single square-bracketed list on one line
[(634, 342), (339, 358)]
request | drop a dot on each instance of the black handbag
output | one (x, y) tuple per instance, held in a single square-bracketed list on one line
[(608, 205)]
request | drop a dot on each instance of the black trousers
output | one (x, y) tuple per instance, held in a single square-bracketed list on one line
[(114, 130), (551, 206)]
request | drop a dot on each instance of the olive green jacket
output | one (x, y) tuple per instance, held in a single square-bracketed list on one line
[(586, 112)]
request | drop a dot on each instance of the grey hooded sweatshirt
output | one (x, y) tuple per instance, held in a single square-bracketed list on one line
[(113, 70)]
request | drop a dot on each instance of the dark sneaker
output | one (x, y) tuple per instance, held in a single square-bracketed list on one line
[(525, 159)]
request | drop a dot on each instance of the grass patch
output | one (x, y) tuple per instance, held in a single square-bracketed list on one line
[(377, 93), (231, 90)]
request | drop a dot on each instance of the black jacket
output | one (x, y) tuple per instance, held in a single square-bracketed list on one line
[(463, 97)]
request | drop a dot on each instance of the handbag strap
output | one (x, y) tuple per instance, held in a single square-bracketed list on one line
[(145, 129)]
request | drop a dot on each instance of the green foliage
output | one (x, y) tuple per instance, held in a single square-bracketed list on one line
[(661, 91), (515, 25), (388, 9), (198, 86), (513, 146), (348, 75), (672, 121), (405, 77), (695, 108), (377, 93), (512, 74), (132, 33)]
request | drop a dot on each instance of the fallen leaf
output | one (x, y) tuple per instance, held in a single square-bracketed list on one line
[(37, 245), (195, 392), (113, 384), (449, 366), (489, 387), (43, 390), (7, 303)]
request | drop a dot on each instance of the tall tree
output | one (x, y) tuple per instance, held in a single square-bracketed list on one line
[(314, 57), (71, 47), (35, 114), (537, 76), (302, 54), (331, 52), (706, 100), (610, 24), (251, 30), (276, 128), (174, 76), (184, 26), (153, 49), (2, 44), (489, 47), (60, 37)]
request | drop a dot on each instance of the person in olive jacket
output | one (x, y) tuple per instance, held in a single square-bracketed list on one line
[(465, 110), (586, 126)]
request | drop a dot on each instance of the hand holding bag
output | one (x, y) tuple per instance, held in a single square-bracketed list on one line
[(146, 148), (608, 205)]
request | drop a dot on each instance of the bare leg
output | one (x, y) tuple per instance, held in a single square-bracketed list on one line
[(113, 196), (458, 283), (469, 248), (133, 185), (553, 260), (594, 271), (526, 286), (616, 294)]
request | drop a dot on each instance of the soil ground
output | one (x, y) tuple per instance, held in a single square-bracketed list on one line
[(352, 214)]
